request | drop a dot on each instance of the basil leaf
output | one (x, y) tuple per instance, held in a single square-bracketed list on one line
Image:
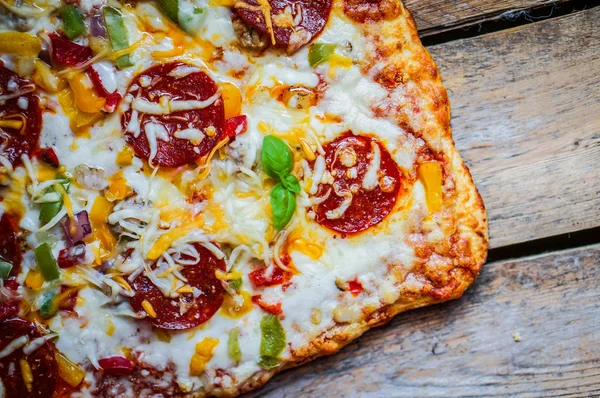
[(272, 341), (268, 362), (283, 205), (277, 158), (233, 345), (291, 183)]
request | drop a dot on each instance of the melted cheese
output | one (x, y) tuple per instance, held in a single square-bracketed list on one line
[(161, 221), (371, 178)]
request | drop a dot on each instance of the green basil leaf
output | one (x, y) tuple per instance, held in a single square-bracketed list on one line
[(272, 341), (291, 183), (277, 158), (268, 362), (283, 205), (233, 345), (319, 53)]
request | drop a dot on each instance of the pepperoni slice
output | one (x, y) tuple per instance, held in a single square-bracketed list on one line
[(201, 308), (179, 82), (295, 23), (41, 362), (10, 244), (351, 159), (18, 110)]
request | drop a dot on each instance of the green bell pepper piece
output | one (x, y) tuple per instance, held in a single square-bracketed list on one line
[(117, 34), (46, 262), (72, 21)]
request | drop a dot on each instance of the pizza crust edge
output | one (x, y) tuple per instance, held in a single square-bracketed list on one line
[(472, 225)]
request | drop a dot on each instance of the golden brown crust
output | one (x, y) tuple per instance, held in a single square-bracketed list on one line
[(465, 226)]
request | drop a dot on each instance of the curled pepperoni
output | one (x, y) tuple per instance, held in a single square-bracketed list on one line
[(361, 195), (373, 10), (20, 117), (170, 82), (41, 362), (295, 23), (201, 308), (10, 244)]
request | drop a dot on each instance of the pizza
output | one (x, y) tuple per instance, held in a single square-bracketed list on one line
[(198, 194)]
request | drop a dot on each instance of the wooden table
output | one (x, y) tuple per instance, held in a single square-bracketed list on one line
[(526, 118)]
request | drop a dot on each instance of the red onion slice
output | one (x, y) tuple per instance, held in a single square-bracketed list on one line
[(71, 256), (82, 229), (97, 27)]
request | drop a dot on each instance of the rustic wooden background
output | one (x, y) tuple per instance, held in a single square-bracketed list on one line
[(526, 117)]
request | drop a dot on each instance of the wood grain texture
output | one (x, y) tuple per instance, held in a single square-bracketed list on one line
[(435, 16), (525, 106), (466, 347)]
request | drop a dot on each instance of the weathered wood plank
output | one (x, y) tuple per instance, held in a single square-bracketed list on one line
[(525, 106), (466, 347), (435, 16)]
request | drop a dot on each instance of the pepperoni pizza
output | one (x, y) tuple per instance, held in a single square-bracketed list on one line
[(198, 194)]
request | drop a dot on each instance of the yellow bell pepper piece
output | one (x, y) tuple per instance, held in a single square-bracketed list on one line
[(232, 99), (79, 120), (34, 280), (101, 209), (229, 309), (86, 98), (69, 371), (430, 175), (20, 43), (118, 188), (204, 353), (45, 78), (125, 156)]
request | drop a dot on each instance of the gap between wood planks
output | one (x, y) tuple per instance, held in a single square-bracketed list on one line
[(504, 20), (539, 246)]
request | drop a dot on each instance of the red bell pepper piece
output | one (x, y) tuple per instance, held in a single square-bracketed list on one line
[(71, 256), (355, 287), (69, 53), (259, 277), (112, 99), (116, 365), (273, 308), (235, 126)]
